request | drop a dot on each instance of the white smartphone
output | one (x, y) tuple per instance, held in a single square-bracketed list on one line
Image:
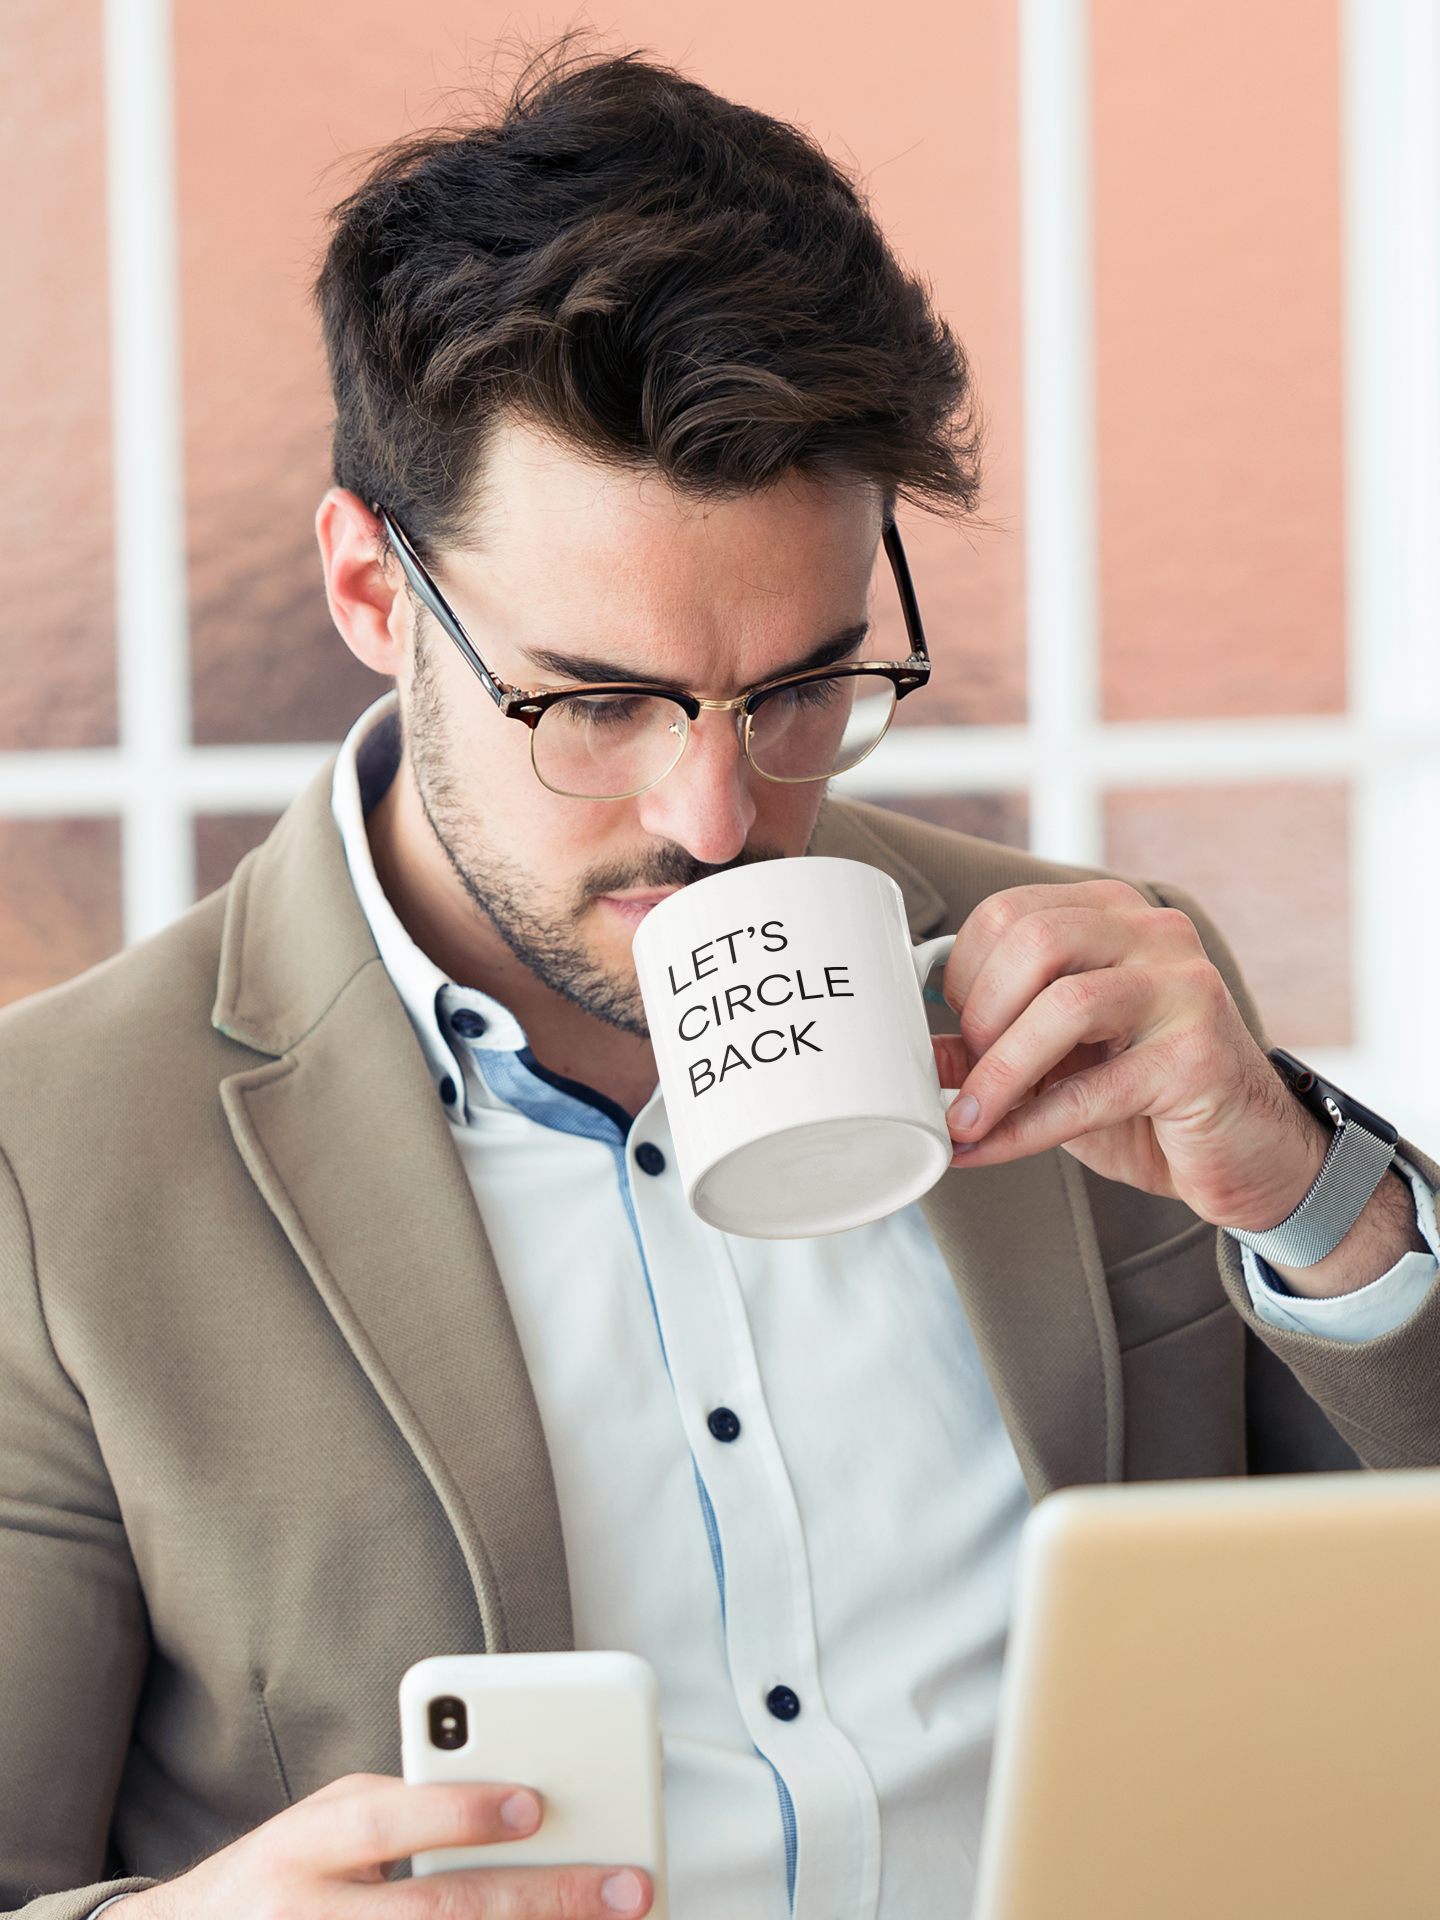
[(581, 1729)]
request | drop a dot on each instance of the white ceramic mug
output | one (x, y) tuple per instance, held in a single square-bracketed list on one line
[(786, 1010)]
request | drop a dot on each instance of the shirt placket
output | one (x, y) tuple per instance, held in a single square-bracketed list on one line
[(762, 1563)]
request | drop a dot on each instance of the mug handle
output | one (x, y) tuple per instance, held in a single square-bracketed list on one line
[(926, 956), (929, 954)]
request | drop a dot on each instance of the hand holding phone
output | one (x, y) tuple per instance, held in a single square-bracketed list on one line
[(345, 1839), (581, 1730)]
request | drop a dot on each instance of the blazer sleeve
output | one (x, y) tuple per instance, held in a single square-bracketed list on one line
[(1382, 1396), (74, 1642)]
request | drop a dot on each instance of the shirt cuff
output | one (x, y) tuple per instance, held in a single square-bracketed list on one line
[(1353, 1318), (113, 1901)]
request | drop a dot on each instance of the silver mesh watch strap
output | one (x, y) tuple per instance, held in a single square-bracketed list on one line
[(1354, 1167)]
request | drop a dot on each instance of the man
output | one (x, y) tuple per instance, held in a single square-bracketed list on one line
[(352, 1312)]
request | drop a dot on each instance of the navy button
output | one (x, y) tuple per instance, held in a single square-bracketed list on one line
[(783, 1702), (447, 1091), (724, 1424), (467, 1023), (649, 1158)]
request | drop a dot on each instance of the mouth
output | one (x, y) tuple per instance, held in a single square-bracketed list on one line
[(632, 905)]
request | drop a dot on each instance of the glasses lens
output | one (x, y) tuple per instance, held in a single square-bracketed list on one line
[(601, 746), (821, 727)]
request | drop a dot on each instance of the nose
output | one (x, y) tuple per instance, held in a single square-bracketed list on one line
[(704, 804)]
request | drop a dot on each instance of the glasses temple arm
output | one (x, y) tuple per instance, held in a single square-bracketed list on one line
[(909, 605), (414, 571)]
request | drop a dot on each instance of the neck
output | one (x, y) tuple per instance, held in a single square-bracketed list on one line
[(443, 921)]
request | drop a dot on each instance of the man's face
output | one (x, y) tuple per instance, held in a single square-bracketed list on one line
[(580, 573)]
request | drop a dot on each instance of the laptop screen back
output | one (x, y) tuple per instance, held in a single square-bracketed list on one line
[(1222, 1700)]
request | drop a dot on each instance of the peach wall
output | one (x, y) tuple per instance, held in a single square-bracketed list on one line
[(56, 626), (1217, 273), (1271, 864), (274, 100), (59, 900)]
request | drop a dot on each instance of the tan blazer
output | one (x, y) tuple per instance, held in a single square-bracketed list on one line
[(266, 1436)]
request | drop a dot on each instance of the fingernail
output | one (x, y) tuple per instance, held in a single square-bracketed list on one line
[(962, 1147), (521, 1812), (965, 1112), (622, 1892)]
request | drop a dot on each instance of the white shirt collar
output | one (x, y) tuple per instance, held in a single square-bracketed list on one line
[(429, 998)]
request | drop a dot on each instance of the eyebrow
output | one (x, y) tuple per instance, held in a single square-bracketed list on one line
[(583, 669)]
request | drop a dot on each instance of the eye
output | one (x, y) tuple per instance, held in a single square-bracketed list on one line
[(605, 709), (822, 693), (810, 694)]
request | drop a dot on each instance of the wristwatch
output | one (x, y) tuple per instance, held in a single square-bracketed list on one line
[(1358, 1160)]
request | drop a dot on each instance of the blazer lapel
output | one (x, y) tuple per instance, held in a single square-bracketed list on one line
[(1021, 1248), (343, 1136)]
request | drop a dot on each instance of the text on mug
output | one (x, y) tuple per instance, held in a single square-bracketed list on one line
[(775, 990), (704, 961), (703, 1075)]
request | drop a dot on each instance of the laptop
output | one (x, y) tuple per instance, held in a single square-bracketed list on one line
[(1222, 1702)]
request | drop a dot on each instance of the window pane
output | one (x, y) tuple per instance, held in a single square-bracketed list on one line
[(1270, 864), (57, 662)]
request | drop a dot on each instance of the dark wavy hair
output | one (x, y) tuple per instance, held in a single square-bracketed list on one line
[(660, 277)]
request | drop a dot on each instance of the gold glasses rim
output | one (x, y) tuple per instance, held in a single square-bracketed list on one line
[(744, 731)]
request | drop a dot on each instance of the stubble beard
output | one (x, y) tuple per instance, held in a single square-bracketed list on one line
[(553, 949)]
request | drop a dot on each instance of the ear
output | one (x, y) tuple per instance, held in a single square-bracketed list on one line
[(366, 602)]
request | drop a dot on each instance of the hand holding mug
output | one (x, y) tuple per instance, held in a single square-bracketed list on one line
[(1092, 1020)]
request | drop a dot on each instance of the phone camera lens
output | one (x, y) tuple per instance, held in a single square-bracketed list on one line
[(449, 1723)]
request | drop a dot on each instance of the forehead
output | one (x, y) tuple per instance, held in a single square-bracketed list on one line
[(568, 553)]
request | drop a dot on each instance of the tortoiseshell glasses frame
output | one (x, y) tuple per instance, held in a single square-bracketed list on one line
[(600, 700)]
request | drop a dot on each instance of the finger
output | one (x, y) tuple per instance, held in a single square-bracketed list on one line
[(1106, 1008), (1042, 947), (349, 1783), (515, 1893), (952, 1059), (992, 920), (1110, 1095), (333, 1835)]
